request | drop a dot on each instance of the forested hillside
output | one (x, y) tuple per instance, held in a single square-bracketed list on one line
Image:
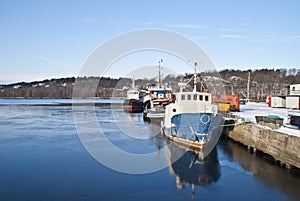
[(263, 82)]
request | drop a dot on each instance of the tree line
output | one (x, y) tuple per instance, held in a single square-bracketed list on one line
[(263, 82)]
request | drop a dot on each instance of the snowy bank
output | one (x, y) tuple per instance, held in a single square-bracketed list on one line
[(250, 110)]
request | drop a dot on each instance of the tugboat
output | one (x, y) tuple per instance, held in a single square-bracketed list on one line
[(133, 103), (193, 121)]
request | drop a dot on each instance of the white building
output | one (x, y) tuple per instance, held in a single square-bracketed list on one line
[(293, 102), (278, 101), (295, 89)]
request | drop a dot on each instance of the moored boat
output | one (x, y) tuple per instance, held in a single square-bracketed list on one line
[(155, 103), (133, 105), (193, 121), (156, 100), (134, 102)]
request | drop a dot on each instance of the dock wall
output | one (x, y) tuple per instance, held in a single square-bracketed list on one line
[(282, 147)]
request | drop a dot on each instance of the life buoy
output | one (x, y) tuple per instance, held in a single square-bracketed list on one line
[(203, 120)]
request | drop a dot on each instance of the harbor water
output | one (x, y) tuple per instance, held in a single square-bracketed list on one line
[(43, 158)]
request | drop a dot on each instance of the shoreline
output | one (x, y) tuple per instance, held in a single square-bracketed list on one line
[(282, 144)]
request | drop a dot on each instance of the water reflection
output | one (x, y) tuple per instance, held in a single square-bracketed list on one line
[(133, 125), (190, 169), (262, 167)]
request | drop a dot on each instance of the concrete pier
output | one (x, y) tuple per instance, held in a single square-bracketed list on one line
[(282, 147)]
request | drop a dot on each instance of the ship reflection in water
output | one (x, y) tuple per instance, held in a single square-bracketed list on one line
[(189, 169), (263, 168)]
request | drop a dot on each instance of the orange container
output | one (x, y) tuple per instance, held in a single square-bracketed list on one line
[(234, 101)]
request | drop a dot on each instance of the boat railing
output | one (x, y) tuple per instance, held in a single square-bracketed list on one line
[(184, 127), (200, 137)]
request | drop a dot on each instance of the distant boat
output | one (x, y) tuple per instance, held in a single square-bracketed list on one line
[(155, 103), (133, 102), (193, 121)]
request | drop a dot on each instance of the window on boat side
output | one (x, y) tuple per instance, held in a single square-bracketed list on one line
[(182, 97), (195, 97), (200, 97), (206, 98), (161, 94), (189, 97)]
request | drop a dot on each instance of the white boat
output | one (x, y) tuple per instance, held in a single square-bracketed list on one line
[(133, 102), (155, 103), (193, 121)]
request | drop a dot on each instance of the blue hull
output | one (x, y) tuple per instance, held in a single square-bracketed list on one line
[(195, 127)]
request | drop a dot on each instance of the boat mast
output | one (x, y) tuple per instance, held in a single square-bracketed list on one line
[(133, 84), (159, 72), (195, 77)]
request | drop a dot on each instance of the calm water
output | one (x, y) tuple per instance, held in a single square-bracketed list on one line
[(42, 158)]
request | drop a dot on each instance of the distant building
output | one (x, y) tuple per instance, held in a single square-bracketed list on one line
[(17, 86), (295, 89), (293, 102), (278, 101), (293, 99)]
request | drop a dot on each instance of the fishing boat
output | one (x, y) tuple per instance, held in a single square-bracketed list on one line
[(156, 100), (155, 103), (193, 121), (133, 102)]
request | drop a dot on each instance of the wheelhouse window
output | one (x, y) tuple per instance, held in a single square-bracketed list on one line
[(182, 97), (195, 97), (206, 98), (200, 97), (189, 97)]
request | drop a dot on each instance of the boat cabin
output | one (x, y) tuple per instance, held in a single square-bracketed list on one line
[(188, 96), (160, 93), (133, 94)]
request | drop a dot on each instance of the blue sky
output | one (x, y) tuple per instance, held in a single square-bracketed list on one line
[(52, 39)]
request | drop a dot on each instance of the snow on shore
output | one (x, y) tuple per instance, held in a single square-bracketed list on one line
[(250, 110)]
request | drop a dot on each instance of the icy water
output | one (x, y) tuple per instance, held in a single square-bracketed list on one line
[(42, 158)]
